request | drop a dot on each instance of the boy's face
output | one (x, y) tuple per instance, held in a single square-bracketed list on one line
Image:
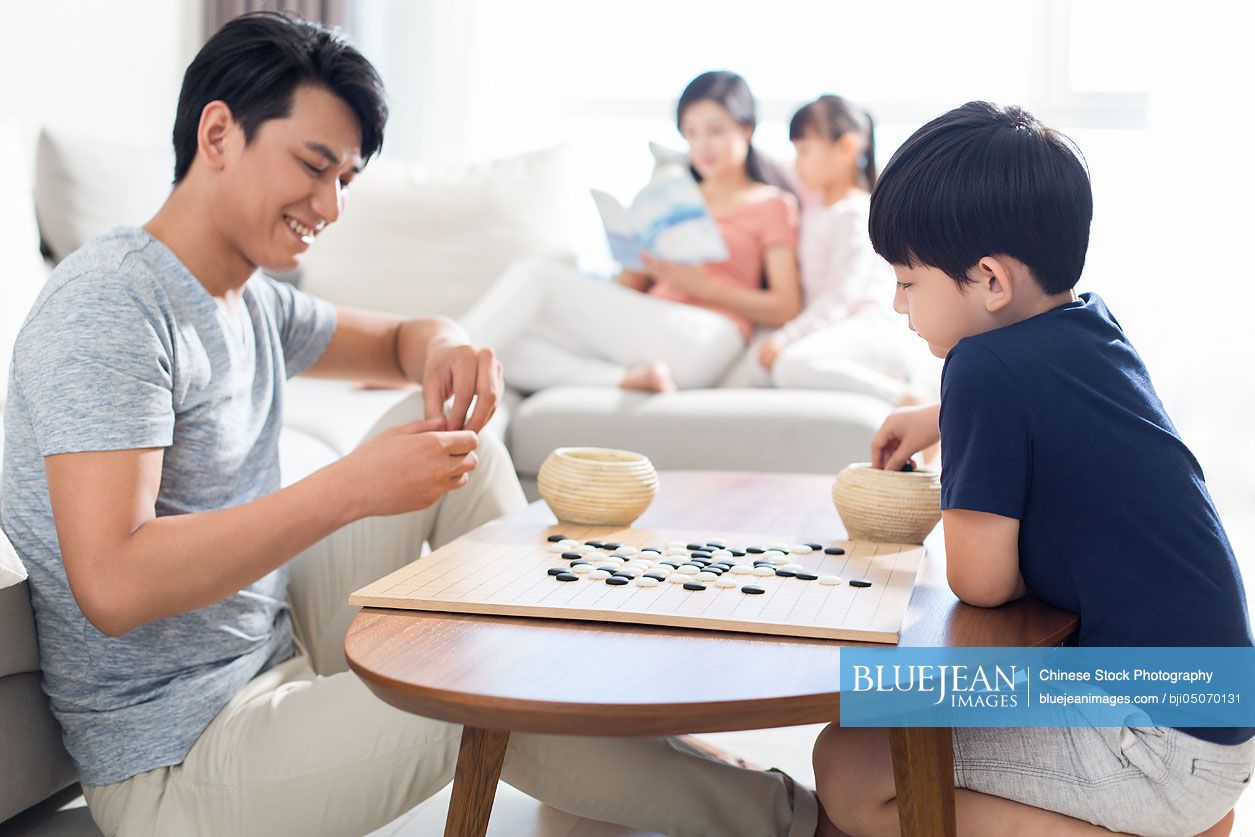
[(937, 310), (279, 191)]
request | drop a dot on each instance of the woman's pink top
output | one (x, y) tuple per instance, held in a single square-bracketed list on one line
[(748, 230)]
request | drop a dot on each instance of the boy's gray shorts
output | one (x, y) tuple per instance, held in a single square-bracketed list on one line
[(1144, 780)]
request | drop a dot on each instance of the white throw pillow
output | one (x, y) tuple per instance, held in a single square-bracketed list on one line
[(11, 569), (414, 244), (86, 186), (22, 269)]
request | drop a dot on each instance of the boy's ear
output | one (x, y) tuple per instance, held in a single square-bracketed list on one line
[(216, 122), (993, 277)]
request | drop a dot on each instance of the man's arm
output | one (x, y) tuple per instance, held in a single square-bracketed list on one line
[(127, 567), (432, 351), (983, 557)]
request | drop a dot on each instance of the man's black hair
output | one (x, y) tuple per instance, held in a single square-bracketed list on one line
[(256, 62), (985, 180)]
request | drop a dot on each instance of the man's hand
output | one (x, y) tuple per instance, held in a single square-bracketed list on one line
[(462, 371), (905, 432), (685, 278), (408, 467), (769, 351)]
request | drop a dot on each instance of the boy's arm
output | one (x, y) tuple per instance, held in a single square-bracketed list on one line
[(983, 557), (434, 351), (127, 567)]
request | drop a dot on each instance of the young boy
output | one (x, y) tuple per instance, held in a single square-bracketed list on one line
[(1061, 474)]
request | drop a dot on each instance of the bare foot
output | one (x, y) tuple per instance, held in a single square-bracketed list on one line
[(648, 377), (719, 754)]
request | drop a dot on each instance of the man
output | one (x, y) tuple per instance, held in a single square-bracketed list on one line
[(141, 486)]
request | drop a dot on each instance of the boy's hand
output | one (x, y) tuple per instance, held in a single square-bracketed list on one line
[(904, 433), (408, 467)]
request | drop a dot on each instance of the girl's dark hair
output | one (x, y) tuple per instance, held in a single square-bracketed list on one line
[(732, 93), (832, 117), (985, 180), (255, 63)]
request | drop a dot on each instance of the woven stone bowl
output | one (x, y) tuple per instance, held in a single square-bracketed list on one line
[(887, 506), (597, 486)]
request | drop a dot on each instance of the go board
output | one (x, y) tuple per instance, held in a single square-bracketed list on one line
[(503, 568)]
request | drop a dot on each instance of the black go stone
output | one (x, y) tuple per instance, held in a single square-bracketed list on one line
[(617, 555), (581, 563), (695, 546), (737, 553), (556, 538), (617, 580), (654, 550), (556, 571), (859, 582), (593, 543), (567, 577), (807, 576), (752, 590), (693, 585), (658, 576), (672, 564), (611, 546), (907, 466), (815, 546), (701, 553), (571, 556), (755, 550), (785, 573), (834, 550), (610, 568)]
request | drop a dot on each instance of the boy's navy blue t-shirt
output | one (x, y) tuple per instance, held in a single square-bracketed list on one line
[(1053, 421)]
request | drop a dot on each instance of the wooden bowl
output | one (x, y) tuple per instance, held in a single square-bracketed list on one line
[(887, 506), (597, 486)]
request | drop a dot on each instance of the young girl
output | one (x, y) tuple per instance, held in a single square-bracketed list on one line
[(674, 325), (847, 338)]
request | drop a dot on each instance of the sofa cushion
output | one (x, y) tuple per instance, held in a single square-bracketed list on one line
[(712, 429), (23, 271), (86, 186), (413, 244), (35, 764)]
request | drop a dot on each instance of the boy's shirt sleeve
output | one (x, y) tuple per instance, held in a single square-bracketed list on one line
[(305, 322), (96, 369), (986, 440)]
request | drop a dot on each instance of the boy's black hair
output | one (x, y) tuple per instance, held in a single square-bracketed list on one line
[(985, 180), (255, 63)]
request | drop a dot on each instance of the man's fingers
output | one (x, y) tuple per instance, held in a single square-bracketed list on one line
[(463, 391), (434, 397), (458, 442), (487, 391)]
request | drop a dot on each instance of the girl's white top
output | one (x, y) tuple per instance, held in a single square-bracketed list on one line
[(841, 274)]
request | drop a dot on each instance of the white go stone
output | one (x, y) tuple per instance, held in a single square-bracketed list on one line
[(678, 578), (742, 569), (627, 550), (721, 553), (777, 558), (640, 565), (598, 575), (632, 571), (677, 550), (687, 569), (800, 549), (779, 547), (726, 581), (831, 580), (558, 547), (719, 542), (797, 568), (584, 549), (763, 571), (676, 544), (582, 569), (706, 576), (645, 581)]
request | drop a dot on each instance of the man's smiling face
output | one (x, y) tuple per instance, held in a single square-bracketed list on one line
[(279, 191)]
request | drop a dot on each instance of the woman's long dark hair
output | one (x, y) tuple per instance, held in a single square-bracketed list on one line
[(831, 117), (732, 93)]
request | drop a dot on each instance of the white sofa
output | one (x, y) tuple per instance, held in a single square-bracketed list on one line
[(409, 243)]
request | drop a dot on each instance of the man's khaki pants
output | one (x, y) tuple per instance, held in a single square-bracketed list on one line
[(306, 749)]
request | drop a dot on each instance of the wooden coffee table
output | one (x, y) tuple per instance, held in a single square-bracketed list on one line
[(549, 676)]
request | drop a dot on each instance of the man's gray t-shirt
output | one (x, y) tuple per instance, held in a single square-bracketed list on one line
[(125, 349)]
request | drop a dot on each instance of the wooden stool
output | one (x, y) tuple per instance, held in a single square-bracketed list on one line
[(1222, 828)]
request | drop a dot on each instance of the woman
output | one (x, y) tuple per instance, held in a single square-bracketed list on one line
[(671, 326)]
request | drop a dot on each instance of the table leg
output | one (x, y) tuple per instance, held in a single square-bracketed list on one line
[(923, 774), (480, 757)]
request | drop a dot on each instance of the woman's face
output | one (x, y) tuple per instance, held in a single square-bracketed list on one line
[(718, 146)]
